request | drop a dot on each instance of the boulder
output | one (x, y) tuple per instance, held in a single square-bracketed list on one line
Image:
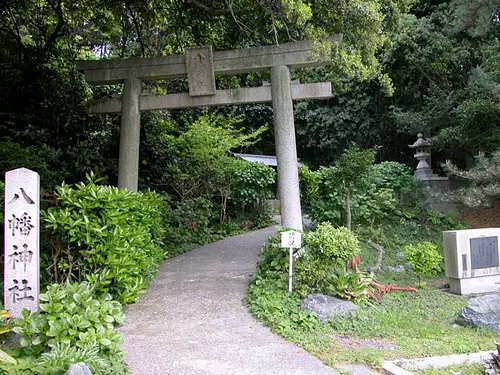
[(327, 308), (482, 312), (78, 369)]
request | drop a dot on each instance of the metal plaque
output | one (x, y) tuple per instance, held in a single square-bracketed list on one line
[(484, 252)]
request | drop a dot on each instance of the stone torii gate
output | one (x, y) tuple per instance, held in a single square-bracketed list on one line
[(201, 65)]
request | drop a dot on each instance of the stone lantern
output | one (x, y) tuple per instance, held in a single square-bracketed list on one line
[(423, 155), (436, 185)]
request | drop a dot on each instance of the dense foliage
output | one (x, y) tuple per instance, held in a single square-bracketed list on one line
[(75, 324), (110, 237)]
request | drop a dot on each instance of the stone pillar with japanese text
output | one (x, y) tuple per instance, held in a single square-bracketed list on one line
[(21, 261)]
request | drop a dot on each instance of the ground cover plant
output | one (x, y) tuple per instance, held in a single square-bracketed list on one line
[(74, 324), (402, 325)]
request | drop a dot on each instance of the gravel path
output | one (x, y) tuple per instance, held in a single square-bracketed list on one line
[(192, 320)]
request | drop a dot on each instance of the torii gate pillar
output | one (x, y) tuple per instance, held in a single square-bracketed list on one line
[(286, 149), (130, 135), (201, 66)]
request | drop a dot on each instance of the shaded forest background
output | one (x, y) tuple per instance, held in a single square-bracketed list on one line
[(405, 67)]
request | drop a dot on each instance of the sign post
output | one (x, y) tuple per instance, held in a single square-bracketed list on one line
[(22, 239), (291, 240)]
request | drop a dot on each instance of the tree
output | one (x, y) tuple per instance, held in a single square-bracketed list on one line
[(350, 170), (483, 179)]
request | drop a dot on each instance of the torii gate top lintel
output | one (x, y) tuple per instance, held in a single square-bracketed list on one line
[(293, 55)]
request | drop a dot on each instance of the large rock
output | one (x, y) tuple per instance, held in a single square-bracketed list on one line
[(327, 308), (482, 312), (78, 369)]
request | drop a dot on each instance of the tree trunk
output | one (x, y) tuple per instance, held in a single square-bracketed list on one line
[(348, 209)]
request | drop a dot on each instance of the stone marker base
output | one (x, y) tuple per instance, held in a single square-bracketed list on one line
[(483, 284)]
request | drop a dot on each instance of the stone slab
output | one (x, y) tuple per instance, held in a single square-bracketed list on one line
[(294, 55), (244, 95), (437, 362), (22, 241)]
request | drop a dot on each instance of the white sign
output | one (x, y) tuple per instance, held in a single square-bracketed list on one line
[(291, 240), (22, 209)]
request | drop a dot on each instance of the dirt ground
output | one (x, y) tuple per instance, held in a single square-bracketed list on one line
[(482, 217)]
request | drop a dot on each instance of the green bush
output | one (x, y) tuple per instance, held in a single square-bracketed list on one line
[(110, 237), (309, 185), (329, 243), (190, 221), (73, 324), (396, 176), (275, 262), (326, 249), (253, 183), (425, 258)]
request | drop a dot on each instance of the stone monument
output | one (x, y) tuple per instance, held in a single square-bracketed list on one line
[(200, 65), (21, 259), (472, 260)]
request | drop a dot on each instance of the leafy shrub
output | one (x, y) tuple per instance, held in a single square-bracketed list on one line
[(201, 153), (253, 183), (14, 155), (348, 285), (425, 258), (327, 249), (396, 176), (274, 263), (73, 325), (110, 237), (309, 185), (330, 243), (190, 221)]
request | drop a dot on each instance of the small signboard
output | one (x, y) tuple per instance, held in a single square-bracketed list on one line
[(291, 240)]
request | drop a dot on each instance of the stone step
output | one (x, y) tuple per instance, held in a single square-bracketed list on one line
[(356, 369)]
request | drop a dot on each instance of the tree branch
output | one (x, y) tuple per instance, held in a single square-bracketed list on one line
[(56, 33), (380, 251), (212, 11), (137, 29)]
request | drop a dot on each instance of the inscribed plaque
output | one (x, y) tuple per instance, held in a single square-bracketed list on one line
[(484, 252), (200, 71)]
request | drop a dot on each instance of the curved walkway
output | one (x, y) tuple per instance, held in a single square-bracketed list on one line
[(192, 320)]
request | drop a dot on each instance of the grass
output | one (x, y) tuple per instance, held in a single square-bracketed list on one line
[(404, 325)]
